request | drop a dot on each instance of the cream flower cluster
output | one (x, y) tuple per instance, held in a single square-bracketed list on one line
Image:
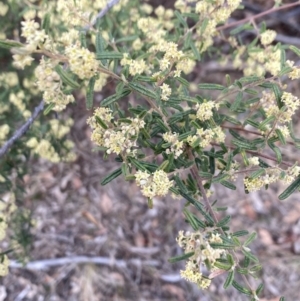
[(120, 139), (205, 137), (135, 66), (205, 110), (204, 254), (272, 175), (49, 82), (283, 116), (295, 73), (165, 91), (75, 15), (215, 12), (82, 62), (156, 184), (7, 208), (176, 147), (46, 150), (267, 37), (4, 130), (35, 39), (59, 129)]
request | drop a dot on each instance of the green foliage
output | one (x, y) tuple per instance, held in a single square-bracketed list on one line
[(169, 134)]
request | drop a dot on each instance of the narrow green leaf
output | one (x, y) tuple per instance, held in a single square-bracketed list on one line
[(236, 241), (110, 55), (224, 221), (147, 79), (113, 98), (263, 164), (124, 169), (66, 77), (251, 237), (240, 28), (82, 38), (49, 108), (293, 187), (161, 124), (180, 18), (256, 174), (204, 24), (228, 80), (137, 164), (182, 81), (222, 265), (101, 122), (150, 203), (251, 91), (8, 44), (100, 46), (241, 289), (244, 145), (282, 299), (220, 177), (250, 255), (142, 90), (242, 271), (230, 259), (275, 149), (46, 23), (280, 136), (228, 185), (251, 79), (292, 134), (195, 51), (235, 105), (246, 262), (111, 176), (222, 246), (282, 58), (191, 220), (181, 257), (127, 39), (240, 233), (187, 40), (263, 124), (229, 279), (252, 123), (295, 49), (90, 92), (284, 71), (255, 268), (163, 165), (211, 87), (205, 175), (278, 93)]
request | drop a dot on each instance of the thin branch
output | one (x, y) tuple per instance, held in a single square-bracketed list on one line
[(101, 14), (46, 264), (22, 130), (269, 11), (256, 154), (195, 174), (240, 129)]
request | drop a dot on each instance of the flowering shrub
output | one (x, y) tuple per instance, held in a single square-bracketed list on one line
[(171, 135)]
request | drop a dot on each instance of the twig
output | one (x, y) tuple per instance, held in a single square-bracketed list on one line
[(46, 264), (22, 130), (101, 14), (194, 172), (269, 11), (256, 154)]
